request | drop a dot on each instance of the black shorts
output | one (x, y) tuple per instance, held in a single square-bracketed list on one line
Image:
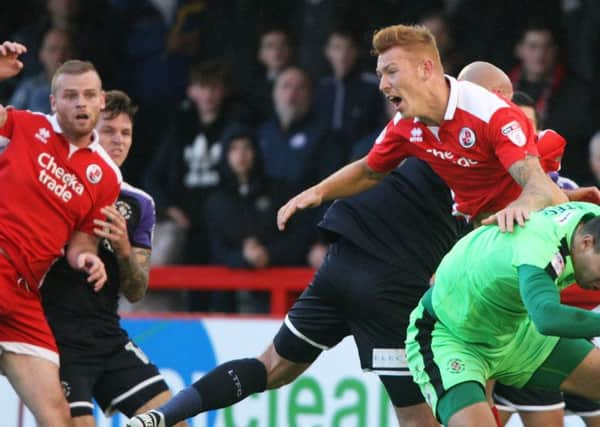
[(123, 380), (581, 406), (512, 399), (354, 293)]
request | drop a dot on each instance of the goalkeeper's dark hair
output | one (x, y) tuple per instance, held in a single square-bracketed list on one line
[(118, 102), (591, 226)]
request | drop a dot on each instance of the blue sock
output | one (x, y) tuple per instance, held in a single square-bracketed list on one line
[(225, 385), (183, 405)]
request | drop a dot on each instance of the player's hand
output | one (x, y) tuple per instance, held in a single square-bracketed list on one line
[(94, 267), (507, 217), (10, 65), (584, 194), (304, 200), (114, 229)]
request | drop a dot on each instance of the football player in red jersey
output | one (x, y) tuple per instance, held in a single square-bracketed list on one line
[(55, 179), (481, 145)]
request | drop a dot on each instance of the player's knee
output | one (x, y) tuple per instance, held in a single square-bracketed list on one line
[(55, 412)]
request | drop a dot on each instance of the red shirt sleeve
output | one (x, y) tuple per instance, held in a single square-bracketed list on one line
[(388, 151), (106, 196), (551, 147), (512, 136)]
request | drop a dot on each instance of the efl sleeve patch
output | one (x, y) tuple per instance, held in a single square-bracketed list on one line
[(514, 132)]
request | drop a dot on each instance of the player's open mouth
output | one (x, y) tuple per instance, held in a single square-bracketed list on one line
[(396, 100), (82, 117)]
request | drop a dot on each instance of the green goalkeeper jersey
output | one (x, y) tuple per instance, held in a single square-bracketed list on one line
[(476, 293)]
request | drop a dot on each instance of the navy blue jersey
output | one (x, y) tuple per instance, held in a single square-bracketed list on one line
[(405, 220), (84, 320)]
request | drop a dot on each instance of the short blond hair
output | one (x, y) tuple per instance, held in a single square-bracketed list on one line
[(73, 67), (415, 38)]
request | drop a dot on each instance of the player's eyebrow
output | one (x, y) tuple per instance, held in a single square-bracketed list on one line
[(378, 71)]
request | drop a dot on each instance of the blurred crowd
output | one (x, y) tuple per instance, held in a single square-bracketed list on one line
[(243, 103)]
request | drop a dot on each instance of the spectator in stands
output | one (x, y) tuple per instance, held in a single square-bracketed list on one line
[(563, 103), (242, 215), (361, 147), (95, 35), (275, 53), (33, 93), (594, 159), (161, 41), (294, 145), (348, 101), (490, 30), (311, 22), (184, 170), (57, 14), (437, 23)]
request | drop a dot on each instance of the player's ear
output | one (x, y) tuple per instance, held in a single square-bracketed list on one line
[(53, 103), (102, 100), (425, 69), (588, 242)]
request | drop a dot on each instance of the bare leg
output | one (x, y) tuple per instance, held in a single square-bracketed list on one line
[(416, 416), (280, 371), (592, 421), (476, 415), (585, 378), (37, 383), (504, 416), (83, 421)]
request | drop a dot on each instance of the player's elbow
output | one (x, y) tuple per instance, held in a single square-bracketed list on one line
[(545, 328), (546, 323), (135, 295), (560, 197)]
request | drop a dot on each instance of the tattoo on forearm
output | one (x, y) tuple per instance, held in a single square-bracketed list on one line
[(374, 175), (538, 190), (133, 273), (521, 170)]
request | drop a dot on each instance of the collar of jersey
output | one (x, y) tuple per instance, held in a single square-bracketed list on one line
[(450, 107), (452, 99), (93, 146)]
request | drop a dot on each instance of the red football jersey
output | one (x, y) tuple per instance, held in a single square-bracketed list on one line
[(48, 189), (551, 146), (481, 136), (579, 297)]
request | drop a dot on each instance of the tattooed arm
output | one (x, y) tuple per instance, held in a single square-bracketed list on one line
[(133, 262), (134, 272), (349, 180), (538, 192), (538, 189)]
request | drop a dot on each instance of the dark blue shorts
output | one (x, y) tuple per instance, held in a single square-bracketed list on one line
[(354, 293)]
